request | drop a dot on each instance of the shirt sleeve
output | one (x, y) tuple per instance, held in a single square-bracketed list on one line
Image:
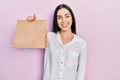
[(82, 63), (46, 65)]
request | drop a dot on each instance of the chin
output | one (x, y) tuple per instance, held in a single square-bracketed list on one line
[(64, 30)]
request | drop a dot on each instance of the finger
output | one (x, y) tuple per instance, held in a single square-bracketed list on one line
[(34, 16), (30, 18)]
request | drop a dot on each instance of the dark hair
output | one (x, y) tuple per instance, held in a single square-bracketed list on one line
[(55, 25)]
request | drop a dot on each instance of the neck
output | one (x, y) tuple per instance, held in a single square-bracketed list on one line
[(66, 34)]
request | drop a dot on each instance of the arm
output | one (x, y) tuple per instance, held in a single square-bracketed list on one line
[(82, 63), (46, 65)]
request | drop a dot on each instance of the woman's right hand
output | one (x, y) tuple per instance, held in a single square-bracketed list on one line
[(31, 18)]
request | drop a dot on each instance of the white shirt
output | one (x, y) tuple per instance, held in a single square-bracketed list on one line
[(64, 62)]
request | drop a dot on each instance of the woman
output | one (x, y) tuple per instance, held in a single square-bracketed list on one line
[(65, 55)]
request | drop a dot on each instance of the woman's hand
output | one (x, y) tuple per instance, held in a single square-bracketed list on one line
[(31, 18)]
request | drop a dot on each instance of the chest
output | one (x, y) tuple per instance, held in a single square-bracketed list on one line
[(66, 40)]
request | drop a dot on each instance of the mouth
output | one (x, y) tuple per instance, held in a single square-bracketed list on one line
[(64, 25)]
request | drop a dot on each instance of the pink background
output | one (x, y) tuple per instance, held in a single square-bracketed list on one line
[(98, 22)]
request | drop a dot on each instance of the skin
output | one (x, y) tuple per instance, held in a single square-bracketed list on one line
[(64, 21), (31, 18)]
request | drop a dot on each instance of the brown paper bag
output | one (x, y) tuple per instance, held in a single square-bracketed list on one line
[(30, 34)]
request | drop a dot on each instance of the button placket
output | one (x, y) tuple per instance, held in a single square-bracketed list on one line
[(61, 65)]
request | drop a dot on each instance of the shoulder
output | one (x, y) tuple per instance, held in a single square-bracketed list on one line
[(80, 40), (51, 34)]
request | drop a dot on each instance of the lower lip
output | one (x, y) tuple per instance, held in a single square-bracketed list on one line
[(64, 26)]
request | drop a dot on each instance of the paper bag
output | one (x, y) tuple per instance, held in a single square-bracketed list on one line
[(30, 34)]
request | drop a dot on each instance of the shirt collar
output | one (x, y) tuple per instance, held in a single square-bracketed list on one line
[(60, 40)]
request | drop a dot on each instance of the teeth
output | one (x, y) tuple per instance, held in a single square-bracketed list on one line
[(64, 25)]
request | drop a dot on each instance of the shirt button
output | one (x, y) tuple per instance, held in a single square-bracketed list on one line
[(61, 70), (61, 62), (60, 78)]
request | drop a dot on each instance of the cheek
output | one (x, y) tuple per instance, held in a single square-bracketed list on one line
[(71, 23), (58, 22), (70, 20)]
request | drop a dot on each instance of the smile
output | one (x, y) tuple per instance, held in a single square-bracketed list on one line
[(64, 25)]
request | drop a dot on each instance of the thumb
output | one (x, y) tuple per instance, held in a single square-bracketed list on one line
[(34, 16)]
